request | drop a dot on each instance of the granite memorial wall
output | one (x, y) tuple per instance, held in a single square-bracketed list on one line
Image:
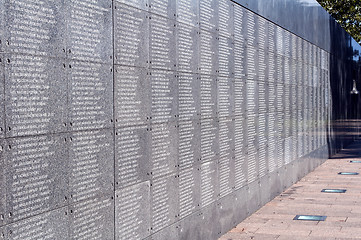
[(151, 119)]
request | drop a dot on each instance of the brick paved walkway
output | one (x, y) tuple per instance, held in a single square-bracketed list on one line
[(343, 210)]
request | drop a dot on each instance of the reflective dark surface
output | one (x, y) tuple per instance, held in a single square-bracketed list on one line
[(308, 20)]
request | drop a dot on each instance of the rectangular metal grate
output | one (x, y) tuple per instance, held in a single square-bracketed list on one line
[(310, 218), (348, 173), (333, 190)]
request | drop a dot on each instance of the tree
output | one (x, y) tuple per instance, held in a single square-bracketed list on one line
[(347, 13)]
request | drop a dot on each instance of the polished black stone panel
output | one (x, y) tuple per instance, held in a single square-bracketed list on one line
[(209, 15), (162, 43), (2, 88), (132, 212), (252, 59), (240, 91), (209, 183), (2, 184), (189, 99), (50, 225), (163, 149), (131, 35), (239, 13), (252, 148), (164, 87), (189, 148), (240, 62), (208, 94), (263, 67), (271, 38), (2, 28), (89, 30), (165, 201), (36, 175), (252, 96), (226, 96), (132, 96), (208, 52), (262, 144), (90, 98), (188, 48), (226, 62), (300, 135), (209, 140), (92, 218), (272, 97), (310, 13), (141, 4), (226, 164), (226, 18), (250, 28), (272, 138), (3, 233), (240, 157), (272, 65), (280, 100), (33, 28), (164, 8), (188, 12), (91, 160), (263, 96), (263, 37), (288, 152), (280, 68), (189, 191), (132, 151), (280, 152), (35, 95)]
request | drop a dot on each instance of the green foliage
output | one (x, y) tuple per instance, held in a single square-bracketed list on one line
[(347, 13)]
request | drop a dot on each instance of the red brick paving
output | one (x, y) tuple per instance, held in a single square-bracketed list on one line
[(343, 210)]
